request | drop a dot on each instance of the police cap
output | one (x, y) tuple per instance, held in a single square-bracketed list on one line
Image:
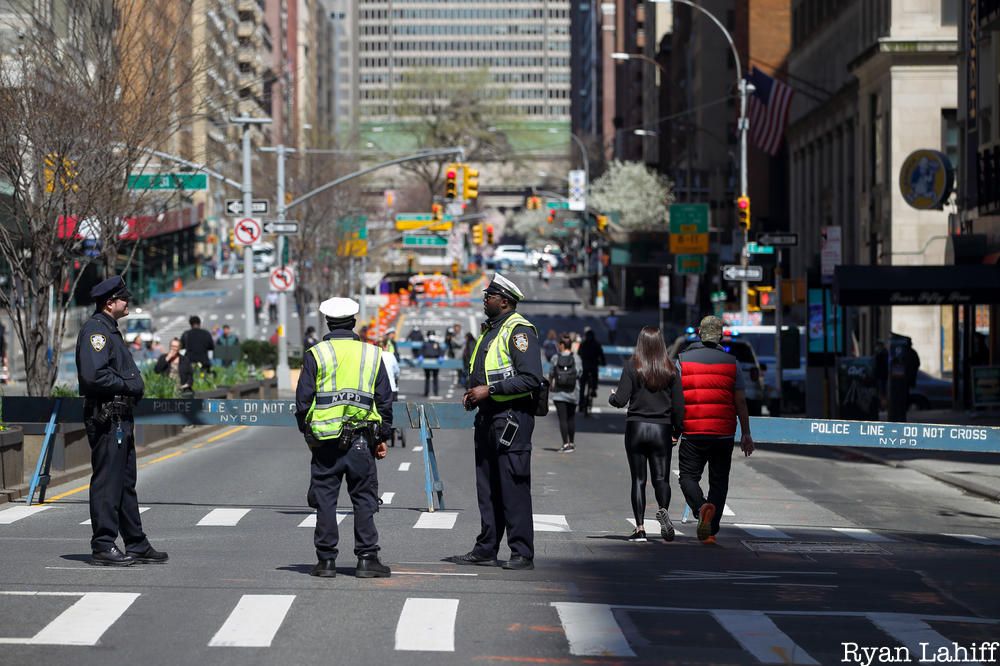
[(504, 287), (113, 287), (339, 311)]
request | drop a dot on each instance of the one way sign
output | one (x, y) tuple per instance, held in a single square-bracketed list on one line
[(737, 273), (234, 207)]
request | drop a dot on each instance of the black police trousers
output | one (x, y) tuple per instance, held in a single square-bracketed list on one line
[(503, 486), (114, 505), (329, 467), (694, 454)]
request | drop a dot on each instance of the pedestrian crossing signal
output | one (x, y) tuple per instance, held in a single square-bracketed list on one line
[(766, 298)]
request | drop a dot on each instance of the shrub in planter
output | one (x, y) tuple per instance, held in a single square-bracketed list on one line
[(259, 353)]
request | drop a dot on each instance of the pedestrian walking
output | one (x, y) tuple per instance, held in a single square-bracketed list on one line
[(390, 339), (343, 406), (111, 385), (431, 353), (177, 366), (454, 344), (198, 345), (227, 347), (391, 364), (272, 306), (714, 399), (309, 338), (417, 339), (566, 370), (551, 345), (611, 323), (592, 356), (467, 350), (504, 373), (649, 386), (258, 306)]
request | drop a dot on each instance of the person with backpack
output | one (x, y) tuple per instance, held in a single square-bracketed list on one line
[(651, 387), (566, 369)]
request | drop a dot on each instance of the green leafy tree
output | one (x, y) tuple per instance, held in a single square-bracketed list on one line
[(635, 191)]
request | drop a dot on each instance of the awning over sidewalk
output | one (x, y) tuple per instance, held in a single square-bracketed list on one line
[(916, 285)]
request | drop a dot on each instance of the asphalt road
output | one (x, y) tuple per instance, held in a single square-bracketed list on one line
[(817, 549)]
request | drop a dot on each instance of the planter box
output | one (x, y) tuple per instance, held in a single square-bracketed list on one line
[(269, 389), (244, 391), (11, 457), (70, 447)]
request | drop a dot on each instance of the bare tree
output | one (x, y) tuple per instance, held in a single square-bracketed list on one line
[(84, 95)]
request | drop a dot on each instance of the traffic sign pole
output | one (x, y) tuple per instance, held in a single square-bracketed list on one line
[(283, 371), (249, 328)]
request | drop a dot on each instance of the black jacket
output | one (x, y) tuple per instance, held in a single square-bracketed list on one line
[(198, 342), (663, 406), (104, 365), (184, 372)]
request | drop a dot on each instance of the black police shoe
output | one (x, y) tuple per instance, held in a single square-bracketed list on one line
[(150, 556), (519, 563), (324, 569), (370, 567), (112, 558), (473, 559)]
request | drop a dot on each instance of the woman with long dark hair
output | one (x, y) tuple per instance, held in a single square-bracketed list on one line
[(651, 387)]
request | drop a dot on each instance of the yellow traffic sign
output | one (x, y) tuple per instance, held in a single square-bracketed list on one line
[(422, 221), (689, 243)]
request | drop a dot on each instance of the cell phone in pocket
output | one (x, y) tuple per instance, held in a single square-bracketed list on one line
[(508, 434)]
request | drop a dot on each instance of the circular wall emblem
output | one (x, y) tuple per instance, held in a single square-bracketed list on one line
[(926, 179)]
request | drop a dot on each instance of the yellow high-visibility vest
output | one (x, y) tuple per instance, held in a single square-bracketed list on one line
[(345, 386), (498, 364)]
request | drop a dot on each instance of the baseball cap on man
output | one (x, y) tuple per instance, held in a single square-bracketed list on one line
[(710, 329)]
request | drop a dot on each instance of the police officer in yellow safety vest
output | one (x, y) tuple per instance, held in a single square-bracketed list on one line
[(343, 405), (505, 370)]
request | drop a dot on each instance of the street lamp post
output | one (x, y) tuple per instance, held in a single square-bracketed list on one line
[(247, 187)]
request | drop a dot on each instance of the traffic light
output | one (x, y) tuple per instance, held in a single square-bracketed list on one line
[(766, 298), (489, 234), (743, 212), (437, 211), (470, 184), (59, 169), (533, 203), (753, 300), (552, 217), (451, 182), (602, 223), (477, 234)]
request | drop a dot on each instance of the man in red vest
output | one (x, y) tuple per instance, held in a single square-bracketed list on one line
[(713, 399)]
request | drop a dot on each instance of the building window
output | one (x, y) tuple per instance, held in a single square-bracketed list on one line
[(949, 12), (949, 136)]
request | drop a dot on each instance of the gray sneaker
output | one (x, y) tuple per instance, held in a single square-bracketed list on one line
[(567, 448), (666, 527)]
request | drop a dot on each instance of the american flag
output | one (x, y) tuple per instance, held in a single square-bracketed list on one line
[(769, 104)]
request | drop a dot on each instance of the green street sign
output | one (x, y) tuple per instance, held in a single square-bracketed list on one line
[(557, 205), (689, 264), (689, 218), (754, 248), (355, 226), (424, 241), (571, 224), (168, 181)]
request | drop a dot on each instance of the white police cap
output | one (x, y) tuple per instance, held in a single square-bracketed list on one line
[(339, 308), (504, 287)]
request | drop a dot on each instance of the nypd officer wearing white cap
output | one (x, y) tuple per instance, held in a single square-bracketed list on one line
[(505, 371), (343, 404), (111, 384)]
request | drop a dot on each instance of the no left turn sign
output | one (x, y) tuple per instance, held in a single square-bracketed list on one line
[(282, 279), (247, 231)]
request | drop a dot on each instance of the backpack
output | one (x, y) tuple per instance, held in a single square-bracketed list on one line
[(565, 372)]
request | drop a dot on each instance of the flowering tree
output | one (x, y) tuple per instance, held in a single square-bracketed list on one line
[(635, 191)]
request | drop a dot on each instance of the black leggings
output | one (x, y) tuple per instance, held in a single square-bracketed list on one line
[(648, 442), (567, 420)]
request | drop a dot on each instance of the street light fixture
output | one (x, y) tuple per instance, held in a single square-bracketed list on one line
[(645, 132)]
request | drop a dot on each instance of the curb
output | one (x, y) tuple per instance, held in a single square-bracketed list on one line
[(57, 478), (952, 480)]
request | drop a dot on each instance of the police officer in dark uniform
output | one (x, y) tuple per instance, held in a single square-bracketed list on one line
[(111, 385), (505, 372), (343, 405)]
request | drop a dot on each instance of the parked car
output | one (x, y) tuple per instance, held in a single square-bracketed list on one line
[(510, 256), (753, 377), (930, 392)]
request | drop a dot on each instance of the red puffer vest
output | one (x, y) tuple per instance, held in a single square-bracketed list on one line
[(708, 376)]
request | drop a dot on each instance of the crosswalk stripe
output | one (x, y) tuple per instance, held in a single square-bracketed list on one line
[(762, 531), (418, 449), (913, 632), (726, 511), (83, 623), (142, 509), (16, 513), (310, 520), (592, 630), (439, 520), (223, 517), (762, 638), (254, 621), (427, 625), (652, 526), (404, 467), (548, 522), (387, 498), (976, 539), (862, 534)]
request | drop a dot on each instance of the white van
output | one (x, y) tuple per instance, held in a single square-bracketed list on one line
[(264, 257), (139, 324)]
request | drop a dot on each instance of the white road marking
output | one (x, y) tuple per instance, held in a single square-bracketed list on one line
[(223, 517), (254, 621), (427, 625), (975, 538), (762, 531), (310, 520), (862, 534), (592, 630), (726, 511), (913, 632), (142, 509), (16, 513), (547, 522), (396, 572), (83, 623), (652, 526), (439, 520), (761, 637), (417, 449), (404, 467), (229, 317), (387, 498)]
